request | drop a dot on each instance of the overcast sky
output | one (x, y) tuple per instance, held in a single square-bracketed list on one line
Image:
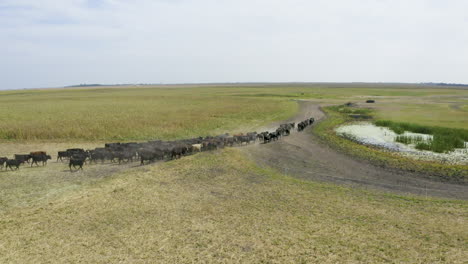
[(50, 43)]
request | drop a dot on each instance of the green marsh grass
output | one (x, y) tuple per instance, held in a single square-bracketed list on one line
[(411, 139), (444, 139)]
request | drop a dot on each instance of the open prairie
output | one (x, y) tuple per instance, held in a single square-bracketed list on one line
[(139, 113), (259, 203)]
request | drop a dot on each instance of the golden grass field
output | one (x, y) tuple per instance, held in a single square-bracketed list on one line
[(140, 113), (216, 207), (220, 207)]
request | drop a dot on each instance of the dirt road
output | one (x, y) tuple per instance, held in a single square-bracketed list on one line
[(303, 156)]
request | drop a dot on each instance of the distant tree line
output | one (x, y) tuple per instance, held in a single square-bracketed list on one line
[(446, 84)]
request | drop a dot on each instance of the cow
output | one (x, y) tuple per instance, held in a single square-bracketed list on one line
[(209, 144), (242, 139), (280, 131), (77, 161), (95, 155), (74, 151), (229, 141), (260, 137), (273, 136), (13, 163), (22, 158), (252, 136), (197, 147), (302, 125), (3, 160), (126, 156), (62, 154), (264, 136), (150, 155), (178, 151), (38, 153), (40, 157)]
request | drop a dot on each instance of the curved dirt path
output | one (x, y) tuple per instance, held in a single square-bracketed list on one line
[(301, 155)]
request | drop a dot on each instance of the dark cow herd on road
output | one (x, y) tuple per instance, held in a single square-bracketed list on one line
[(152, 150)]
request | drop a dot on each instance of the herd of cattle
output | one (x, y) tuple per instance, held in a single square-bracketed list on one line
[(152, 150)]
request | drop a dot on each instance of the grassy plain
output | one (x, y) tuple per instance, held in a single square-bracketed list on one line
[(220, 207), (131, 113), (211, 207), (140, 113)]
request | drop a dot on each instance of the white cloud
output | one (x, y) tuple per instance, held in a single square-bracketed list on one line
[(53, 43)]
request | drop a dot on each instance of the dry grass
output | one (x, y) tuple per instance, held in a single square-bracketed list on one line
[(139, 113), (131, 113), (219, 207), (444, 112)]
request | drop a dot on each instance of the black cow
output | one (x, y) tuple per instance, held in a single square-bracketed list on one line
[(252, 136), (301, 126), (75, 151), (40, 158), (229, 141), (260, 137), (77, 161), (101, 154), (210, 144), (274, 136), (265, 137), (62, 154), (3, 160), (280, 132), (150, 155), (13, 163), (179, 151), (126, 156), (22, 158), (242, 139)]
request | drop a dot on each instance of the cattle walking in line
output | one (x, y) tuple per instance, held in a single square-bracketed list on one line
[(304, 124), (154, 150)]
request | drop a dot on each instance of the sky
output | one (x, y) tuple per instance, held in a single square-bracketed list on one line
[(51, 43)]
